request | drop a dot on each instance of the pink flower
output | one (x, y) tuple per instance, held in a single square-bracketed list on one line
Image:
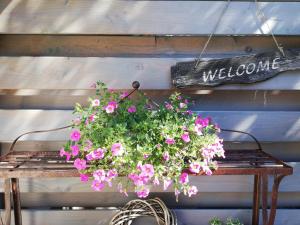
[(92, 118), (168, 106), (117, 149), (132, 109), (95, 102), (80, 164), (98, 153), (75, 150), (189, 112), (123, 95), (93, 85), (97, 185), (146, 156), (147, 170), (75, 135), (88, 145), (167, 183), (99, 175), (193, 190), (156, 181), (77, 121), (203, 122), (137, 180), (84, 178), (185, 137), (109, 109), (111, 174), (207, 170), (166, 156), (62, 153), (184, 178), (143, 193), (177, 192), (182, 105), (195, 167), (198, 129), (170, 141), (121, 190), (89, 157)]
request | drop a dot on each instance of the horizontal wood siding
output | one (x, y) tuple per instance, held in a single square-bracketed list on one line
[(191, 217), (52, 51), (144, 17)]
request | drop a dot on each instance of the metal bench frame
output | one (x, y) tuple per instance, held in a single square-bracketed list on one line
[(43, 164)]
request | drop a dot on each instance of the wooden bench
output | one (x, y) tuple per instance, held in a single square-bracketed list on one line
[(42, 164)]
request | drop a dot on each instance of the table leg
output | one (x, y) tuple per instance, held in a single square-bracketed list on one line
[(277, 180), (16, 201), (256, 198), (264, 198), (7, 202)]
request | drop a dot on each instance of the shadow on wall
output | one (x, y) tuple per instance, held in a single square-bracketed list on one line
[(145, 17)]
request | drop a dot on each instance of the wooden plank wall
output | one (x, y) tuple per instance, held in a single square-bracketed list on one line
[(51, 51)]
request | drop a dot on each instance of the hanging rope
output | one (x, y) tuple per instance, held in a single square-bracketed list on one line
[(212, 33), (260, 14)]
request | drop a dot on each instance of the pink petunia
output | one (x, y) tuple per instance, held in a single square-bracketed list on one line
[(156, 181), (166, 156), (143, 193), (77, 121), (185, 137), (98, 153), (193, 190), (207, 170), (184, 178), (99, 175), (89, 157), (198, 129), (182, 105), (62, 153), (80, 164), (124, 95), (132, 109), (147, 170), (170, 141), (109, 109), (117, 149), (75, 135), (97, 185), (168, 106), (95, 102), (111, 174), (167, 183), (75, 150), (84, 178), (204, 122), (88, 145), (195, 167)]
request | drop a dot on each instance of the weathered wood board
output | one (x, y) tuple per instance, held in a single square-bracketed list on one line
[(66, 72), (145, 17), (237, 70), (191, 217), (267, 126)]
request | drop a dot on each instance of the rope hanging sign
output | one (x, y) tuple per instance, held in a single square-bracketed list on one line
[(237, 70)]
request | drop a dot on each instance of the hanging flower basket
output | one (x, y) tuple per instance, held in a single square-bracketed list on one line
[(117, 135)]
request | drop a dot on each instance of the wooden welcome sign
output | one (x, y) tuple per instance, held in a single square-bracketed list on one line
[(237, 70)]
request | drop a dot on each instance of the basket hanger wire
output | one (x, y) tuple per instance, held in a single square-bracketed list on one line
[(260, 15)]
